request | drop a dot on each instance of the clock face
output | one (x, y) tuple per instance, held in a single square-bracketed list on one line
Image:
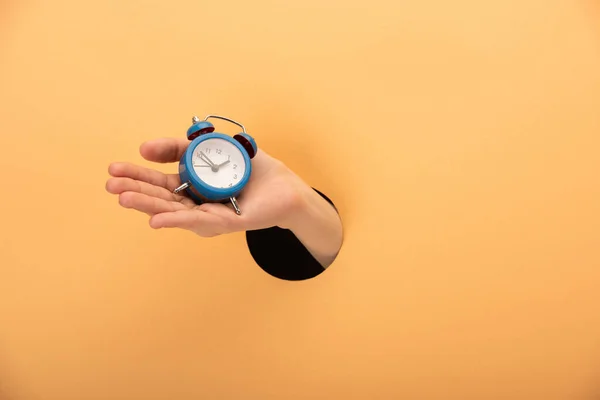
[(219, 163)]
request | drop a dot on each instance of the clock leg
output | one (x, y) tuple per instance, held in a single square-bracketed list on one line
[(181, 188), (235, 205)]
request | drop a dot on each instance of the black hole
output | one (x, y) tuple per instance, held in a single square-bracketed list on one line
[(280, 254)]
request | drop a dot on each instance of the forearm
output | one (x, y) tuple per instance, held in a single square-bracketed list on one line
[(318, 226)]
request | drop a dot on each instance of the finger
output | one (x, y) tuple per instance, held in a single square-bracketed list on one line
[(139, 173), (148, 204), (120, 185), (164, 150)]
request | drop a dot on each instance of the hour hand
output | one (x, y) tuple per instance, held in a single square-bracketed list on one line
[(223, 163)]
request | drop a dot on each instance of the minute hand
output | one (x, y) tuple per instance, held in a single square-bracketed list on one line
[(205, 158), (213, 167)]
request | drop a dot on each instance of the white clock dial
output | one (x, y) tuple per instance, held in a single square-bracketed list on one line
[(219, 163)]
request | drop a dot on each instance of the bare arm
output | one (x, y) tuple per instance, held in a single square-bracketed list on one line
[(318, 226)]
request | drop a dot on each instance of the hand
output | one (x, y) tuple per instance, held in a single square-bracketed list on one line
[(273, 196)]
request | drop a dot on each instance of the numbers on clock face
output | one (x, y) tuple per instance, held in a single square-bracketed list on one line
[(218, 163)]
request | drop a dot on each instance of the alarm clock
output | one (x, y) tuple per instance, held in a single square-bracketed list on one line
[(215, 167)]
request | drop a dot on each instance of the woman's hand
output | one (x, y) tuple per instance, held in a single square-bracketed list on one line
[(274, 196)]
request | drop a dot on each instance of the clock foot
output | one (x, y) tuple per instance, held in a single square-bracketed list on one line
[(181, 188), (235, 205)]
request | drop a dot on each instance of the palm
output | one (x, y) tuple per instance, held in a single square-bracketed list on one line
[(266, 201)]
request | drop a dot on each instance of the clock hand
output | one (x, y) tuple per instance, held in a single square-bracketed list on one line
[(205, 158), (223, 163)]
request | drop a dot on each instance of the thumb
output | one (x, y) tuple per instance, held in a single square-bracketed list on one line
[(184, 219), (164, 150), (195, 220)]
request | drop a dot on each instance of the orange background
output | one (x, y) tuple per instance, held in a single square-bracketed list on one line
[(459, 140)]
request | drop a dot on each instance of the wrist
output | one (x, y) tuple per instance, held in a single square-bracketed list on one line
[(316, 223)]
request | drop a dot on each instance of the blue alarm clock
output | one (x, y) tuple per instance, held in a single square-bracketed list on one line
[(215, 167)]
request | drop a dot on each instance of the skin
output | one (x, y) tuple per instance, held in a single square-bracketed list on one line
[(274, 196)]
